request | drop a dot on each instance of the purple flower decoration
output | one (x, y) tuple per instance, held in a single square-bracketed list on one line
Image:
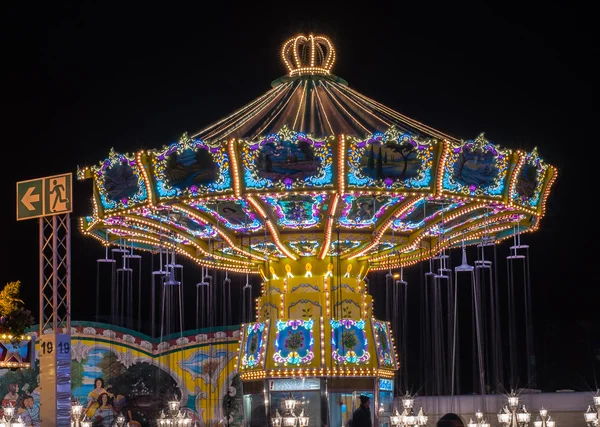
[(288, 182), (194, 189), (472, 188), (124, 200), (388, 182)]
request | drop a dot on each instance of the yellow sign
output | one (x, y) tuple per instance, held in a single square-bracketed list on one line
[(52, 195)]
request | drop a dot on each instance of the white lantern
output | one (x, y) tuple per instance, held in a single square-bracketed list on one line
[(303, 419), (523, 416), (76, 410), (120, 420), (9, 412), (173, 406), (471, 423), (537, 422), (513, 401), (289, 421), (276, 420), (422, 418), (550, 422), (485, 424), (543, 413), (590, 415), (410, 419), (290, 403), (479, 415), (504, 417), (395, 418), (407, 402), (597, 399)]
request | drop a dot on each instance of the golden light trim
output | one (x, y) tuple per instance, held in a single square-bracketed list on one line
[(317, 372), (191, 212), (379, 234), (439, 176), (329, 227), (272, 228), (235, 168)]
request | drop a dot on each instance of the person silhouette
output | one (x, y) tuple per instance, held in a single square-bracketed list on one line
[(57, 191)]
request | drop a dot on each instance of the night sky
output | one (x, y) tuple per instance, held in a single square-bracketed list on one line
[(80, 79)]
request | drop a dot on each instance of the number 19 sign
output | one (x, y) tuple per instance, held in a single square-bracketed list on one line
[(55, 378), (48, 347)]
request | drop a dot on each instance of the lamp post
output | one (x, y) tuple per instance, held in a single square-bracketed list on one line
[(513, 415), (289, 418), (408, 417), (78, 417), (479, 421), (8, 419), (120, 420), (591, 415), (544, 420), (176, 418)]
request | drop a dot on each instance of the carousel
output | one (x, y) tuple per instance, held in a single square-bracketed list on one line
[(311, 187)]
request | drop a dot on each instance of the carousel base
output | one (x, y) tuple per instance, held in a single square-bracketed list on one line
[(324, 400)]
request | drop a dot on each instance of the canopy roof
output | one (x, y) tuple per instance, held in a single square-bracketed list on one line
[(316, 104), (315, 169)]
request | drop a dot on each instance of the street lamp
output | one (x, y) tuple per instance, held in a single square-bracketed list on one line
[(591, 415), (176, 418), (543, 420), (513, 415), (408, 417), (276, 420), (479, 420), (8, 419), (120, 420)]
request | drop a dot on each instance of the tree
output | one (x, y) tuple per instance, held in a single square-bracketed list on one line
[(14, 318), (405, 150), (77, 371), (462, 159), (371, 162), (379, 164)]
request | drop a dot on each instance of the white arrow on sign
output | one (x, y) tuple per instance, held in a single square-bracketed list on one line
[(30, 198)]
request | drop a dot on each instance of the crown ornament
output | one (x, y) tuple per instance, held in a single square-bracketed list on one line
[(308, 55)]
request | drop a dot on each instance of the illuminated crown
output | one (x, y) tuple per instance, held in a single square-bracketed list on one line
[(308, 55)]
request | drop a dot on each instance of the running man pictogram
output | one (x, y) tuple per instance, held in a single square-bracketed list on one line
[(58, 199)]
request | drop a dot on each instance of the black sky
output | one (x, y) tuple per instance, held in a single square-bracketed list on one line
[(79, 79)]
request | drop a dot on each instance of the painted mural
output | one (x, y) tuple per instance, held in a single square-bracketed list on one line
[(140, 374)]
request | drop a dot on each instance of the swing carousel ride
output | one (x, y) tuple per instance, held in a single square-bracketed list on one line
[(311, 186)]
